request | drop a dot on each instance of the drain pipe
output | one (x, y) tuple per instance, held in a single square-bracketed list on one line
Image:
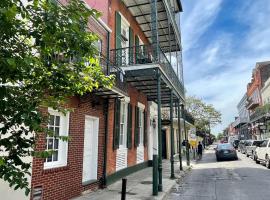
[(104, 173)]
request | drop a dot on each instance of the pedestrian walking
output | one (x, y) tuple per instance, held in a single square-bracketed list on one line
[(200, 149)]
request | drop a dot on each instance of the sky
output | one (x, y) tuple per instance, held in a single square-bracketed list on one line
[(222, 41)]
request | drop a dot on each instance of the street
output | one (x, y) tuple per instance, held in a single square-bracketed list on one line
[(225, 180)]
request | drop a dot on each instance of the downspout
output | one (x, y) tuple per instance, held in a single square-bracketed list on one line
[(106, 110)]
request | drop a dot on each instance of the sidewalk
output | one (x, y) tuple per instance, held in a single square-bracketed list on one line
[(139, 185)]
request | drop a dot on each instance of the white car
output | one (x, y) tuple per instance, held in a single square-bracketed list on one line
[(262, 153)]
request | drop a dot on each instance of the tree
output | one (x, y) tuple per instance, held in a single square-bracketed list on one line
[(205, 115), (220, 136), (47, 55)]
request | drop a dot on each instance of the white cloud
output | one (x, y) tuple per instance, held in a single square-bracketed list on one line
[(198, 19), (219, 71)]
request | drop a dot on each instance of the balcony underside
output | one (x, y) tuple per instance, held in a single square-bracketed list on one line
[(144, 79), (111, 93), (141, 11)]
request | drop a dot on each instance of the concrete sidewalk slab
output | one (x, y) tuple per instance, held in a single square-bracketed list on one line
[(139, 185)]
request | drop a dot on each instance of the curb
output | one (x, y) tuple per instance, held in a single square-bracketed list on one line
[(177, 181)]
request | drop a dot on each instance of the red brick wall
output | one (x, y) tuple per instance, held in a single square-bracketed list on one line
[(100, 5), (66, 182), (117, 5)]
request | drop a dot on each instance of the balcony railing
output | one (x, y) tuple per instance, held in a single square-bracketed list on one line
[(261, 111), (165, 114), (146, 54), (110, 69)]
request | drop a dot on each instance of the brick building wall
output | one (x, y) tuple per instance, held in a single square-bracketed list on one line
[(116, 5), (66, 182)]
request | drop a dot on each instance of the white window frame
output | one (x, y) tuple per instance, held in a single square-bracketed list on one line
[(123, 122), (141, 122), (62, 145)]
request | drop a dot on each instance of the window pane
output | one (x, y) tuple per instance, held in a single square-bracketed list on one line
[(56, 143), (56, 131), (50, 144), (55, 156), (49, 159), (57, 120), (51, 120)]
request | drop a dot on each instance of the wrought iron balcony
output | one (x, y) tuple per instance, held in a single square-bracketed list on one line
[(146, 55), (260, 112), (119, 86)]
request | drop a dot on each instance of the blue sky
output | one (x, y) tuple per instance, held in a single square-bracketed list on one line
[(222, 41)]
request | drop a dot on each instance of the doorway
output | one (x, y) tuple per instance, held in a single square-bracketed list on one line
[(90, 152)]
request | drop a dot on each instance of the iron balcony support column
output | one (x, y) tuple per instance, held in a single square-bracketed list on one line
[(177, 63), (159, 133), (155, 175), (180, 135), (154, 29), (170, 45), (186, 135), (172, 135)]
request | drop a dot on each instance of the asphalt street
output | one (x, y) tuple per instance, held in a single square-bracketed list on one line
[(226, 180)]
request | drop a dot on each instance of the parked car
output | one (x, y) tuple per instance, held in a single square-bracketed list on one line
[(251, 147), (241, 145), (262, 153), (225, 151)]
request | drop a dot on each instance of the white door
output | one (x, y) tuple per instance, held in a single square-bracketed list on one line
[(90, 153)]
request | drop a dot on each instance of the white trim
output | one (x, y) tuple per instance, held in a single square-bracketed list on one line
[(141, 106), (63, 145), (124, 19), (126, 99)]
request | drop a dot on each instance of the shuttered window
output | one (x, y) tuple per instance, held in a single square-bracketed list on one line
[(116, 131), (137, 48), (141, 125), (129, 127), (118, 39), (123, 125), (145, 128), (137, 136), (131, 44)]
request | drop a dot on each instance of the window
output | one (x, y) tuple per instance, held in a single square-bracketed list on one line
[(141, 126), (98, 45), (123, 124), (58, 124)]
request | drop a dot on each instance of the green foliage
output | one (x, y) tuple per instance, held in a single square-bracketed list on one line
[(205, 115), (47, 55), (220, 136)]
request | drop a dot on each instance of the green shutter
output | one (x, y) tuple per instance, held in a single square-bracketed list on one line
[(145, 128), (131, 46), (118, 46), (129, 127), (137, 135), (137, 48), (116, 131)]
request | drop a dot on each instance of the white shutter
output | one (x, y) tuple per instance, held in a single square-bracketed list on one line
[(121, 158), (140, 154)]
